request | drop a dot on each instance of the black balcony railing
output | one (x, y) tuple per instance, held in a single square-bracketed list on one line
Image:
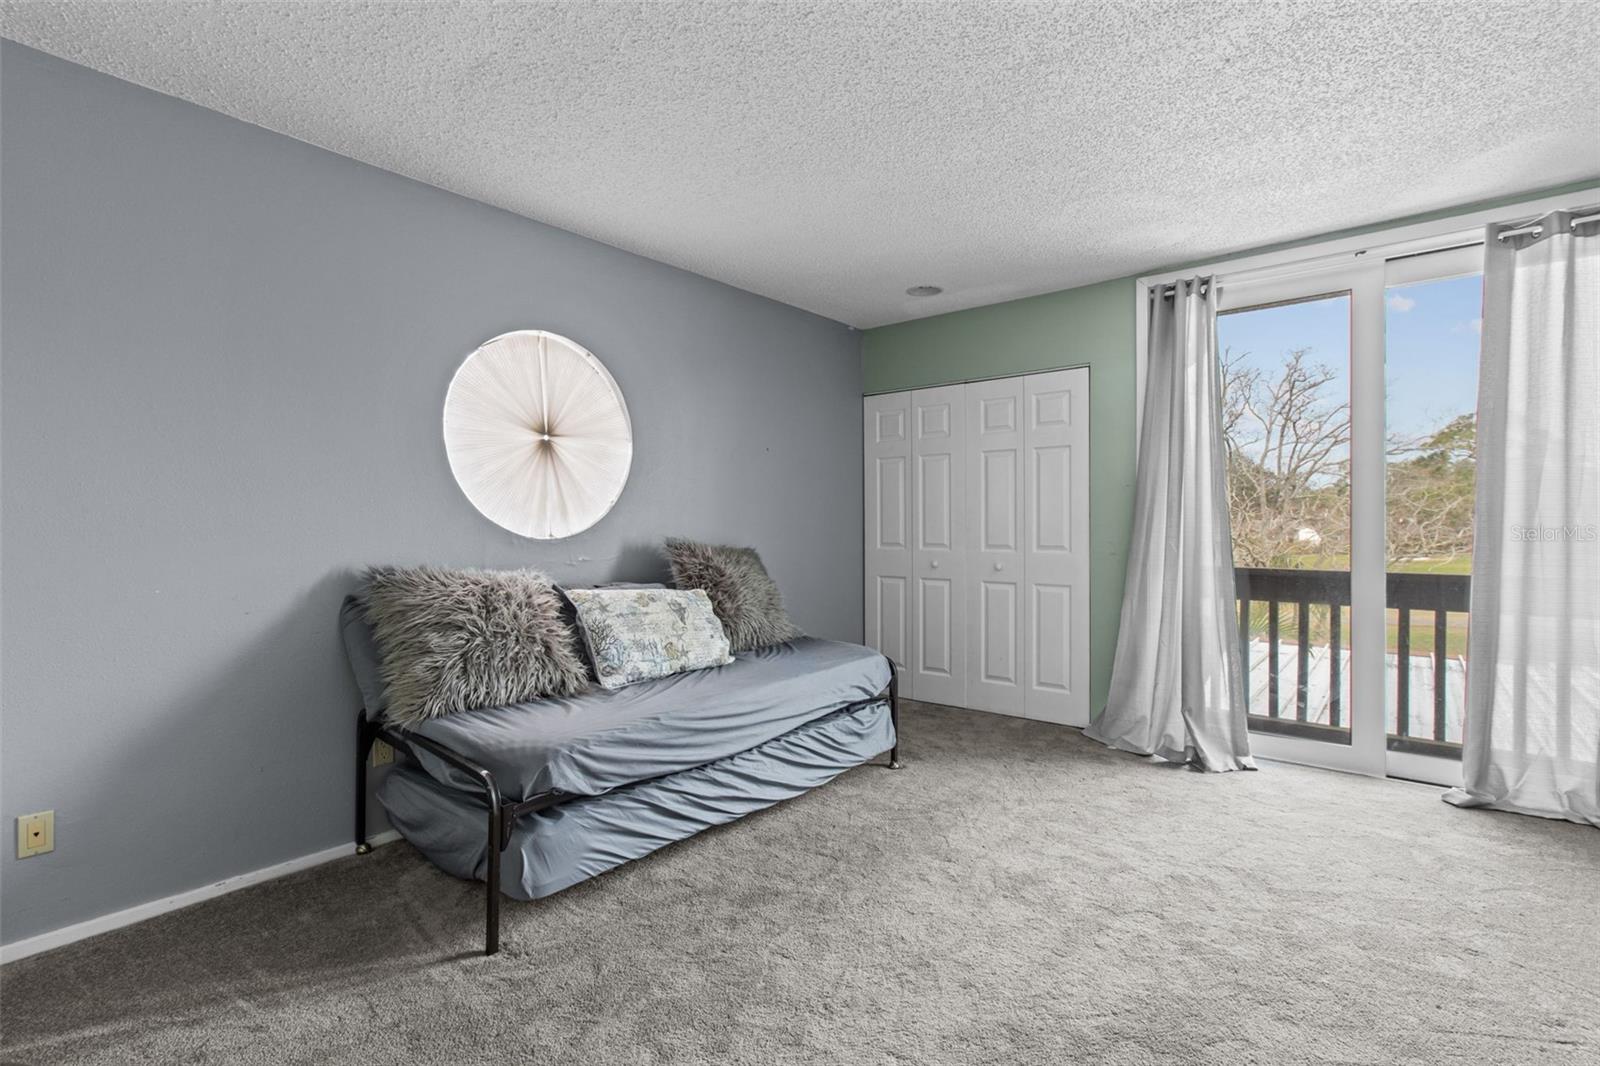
[(1317, 601)]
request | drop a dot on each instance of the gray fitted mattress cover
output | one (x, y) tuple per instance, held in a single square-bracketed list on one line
[(600, 740), (556, 848)]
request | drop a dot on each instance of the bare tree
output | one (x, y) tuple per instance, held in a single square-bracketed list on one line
[(1431, 486), (1288, 439)]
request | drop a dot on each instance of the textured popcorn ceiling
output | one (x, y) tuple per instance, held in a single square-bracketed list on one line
[(831, 155)]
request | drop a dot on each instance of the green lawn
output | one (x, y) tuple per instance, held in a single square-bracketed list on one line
[(1421, 629), (1449, 564)]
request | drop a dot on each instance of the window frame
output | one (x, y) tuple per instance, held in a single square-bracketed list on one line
[(1361, 279), (1364, 266)]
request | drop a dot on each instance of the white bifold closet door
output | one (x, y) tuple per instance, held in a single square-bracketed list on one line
[(888, 513), (1055, 620), (994, 573), (977, 543), (938, 666)]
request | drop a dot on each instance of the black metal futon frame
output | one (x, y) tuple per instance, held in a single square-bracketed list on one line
[(502, 814)]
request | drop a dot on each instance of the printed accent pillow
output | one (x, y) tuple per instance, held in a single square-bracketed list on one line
[(457, 640), (639, 634), (744, 595)]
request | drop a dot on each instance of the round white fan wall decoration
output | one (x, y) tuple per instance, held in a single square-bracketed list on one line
[(538, 434)]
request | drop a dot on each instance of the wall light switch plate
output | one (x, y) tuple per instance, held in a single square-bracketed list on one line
[(382, 753), (36, 834)]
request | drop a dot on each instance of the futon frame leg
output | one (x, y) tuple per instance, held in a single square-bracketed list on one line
[(894, 714), (365, 733), (500, 814), (491, 918)]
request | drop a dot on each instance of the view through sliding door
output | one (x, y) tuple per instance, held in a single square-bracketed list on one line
[(1348, 408), (1433, 320)]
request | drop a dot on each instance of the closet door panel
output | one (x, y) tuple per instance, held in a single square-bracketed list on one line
[(994, 561), (938, 535), (1056, 547), (890, 623)]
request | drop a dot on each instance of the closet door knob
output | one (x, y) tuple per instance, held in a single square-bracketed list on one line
[(936, 564), (999, 566)]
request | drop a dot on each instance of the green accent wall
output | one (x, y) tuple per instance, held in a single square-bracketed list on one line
[(1090, 326)]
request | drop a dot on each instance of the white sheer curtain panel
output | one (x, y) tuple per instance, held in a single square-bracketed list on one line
[(1177, 684), (1532, 733)]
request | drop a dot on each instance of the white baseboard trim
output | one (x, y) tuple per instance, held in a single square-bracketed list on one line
[(33, 945)]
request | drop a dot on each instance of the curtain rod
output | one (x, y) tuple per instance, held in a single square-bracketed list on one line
[(1580, 216), (1169, 290)]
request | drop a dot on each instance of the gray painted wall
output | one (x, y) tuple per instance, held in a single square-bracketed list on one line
[(225, 354)]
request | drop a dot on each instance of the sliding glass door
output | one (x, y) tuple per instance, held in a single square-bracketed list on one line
[(1433, 318), (1349, 430), (1293, 353)]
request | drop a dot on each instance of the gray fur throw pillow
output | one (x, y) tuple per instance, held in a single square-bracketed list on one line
[(457, 640), (745, 597)]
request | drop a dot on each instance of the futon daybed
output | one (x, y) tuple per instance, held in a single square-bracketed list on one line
[(534, 797)]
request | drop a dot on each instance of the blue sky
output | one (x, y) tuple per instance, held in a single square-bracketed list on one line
[(1432, 334)]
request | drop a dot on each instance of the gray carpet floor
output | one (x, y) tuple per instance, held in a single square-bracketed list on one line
[(1016, 894)]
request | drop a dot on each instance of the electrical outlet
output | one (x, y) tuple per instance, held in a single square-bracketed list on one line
[(36, 834), (382, 753)]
